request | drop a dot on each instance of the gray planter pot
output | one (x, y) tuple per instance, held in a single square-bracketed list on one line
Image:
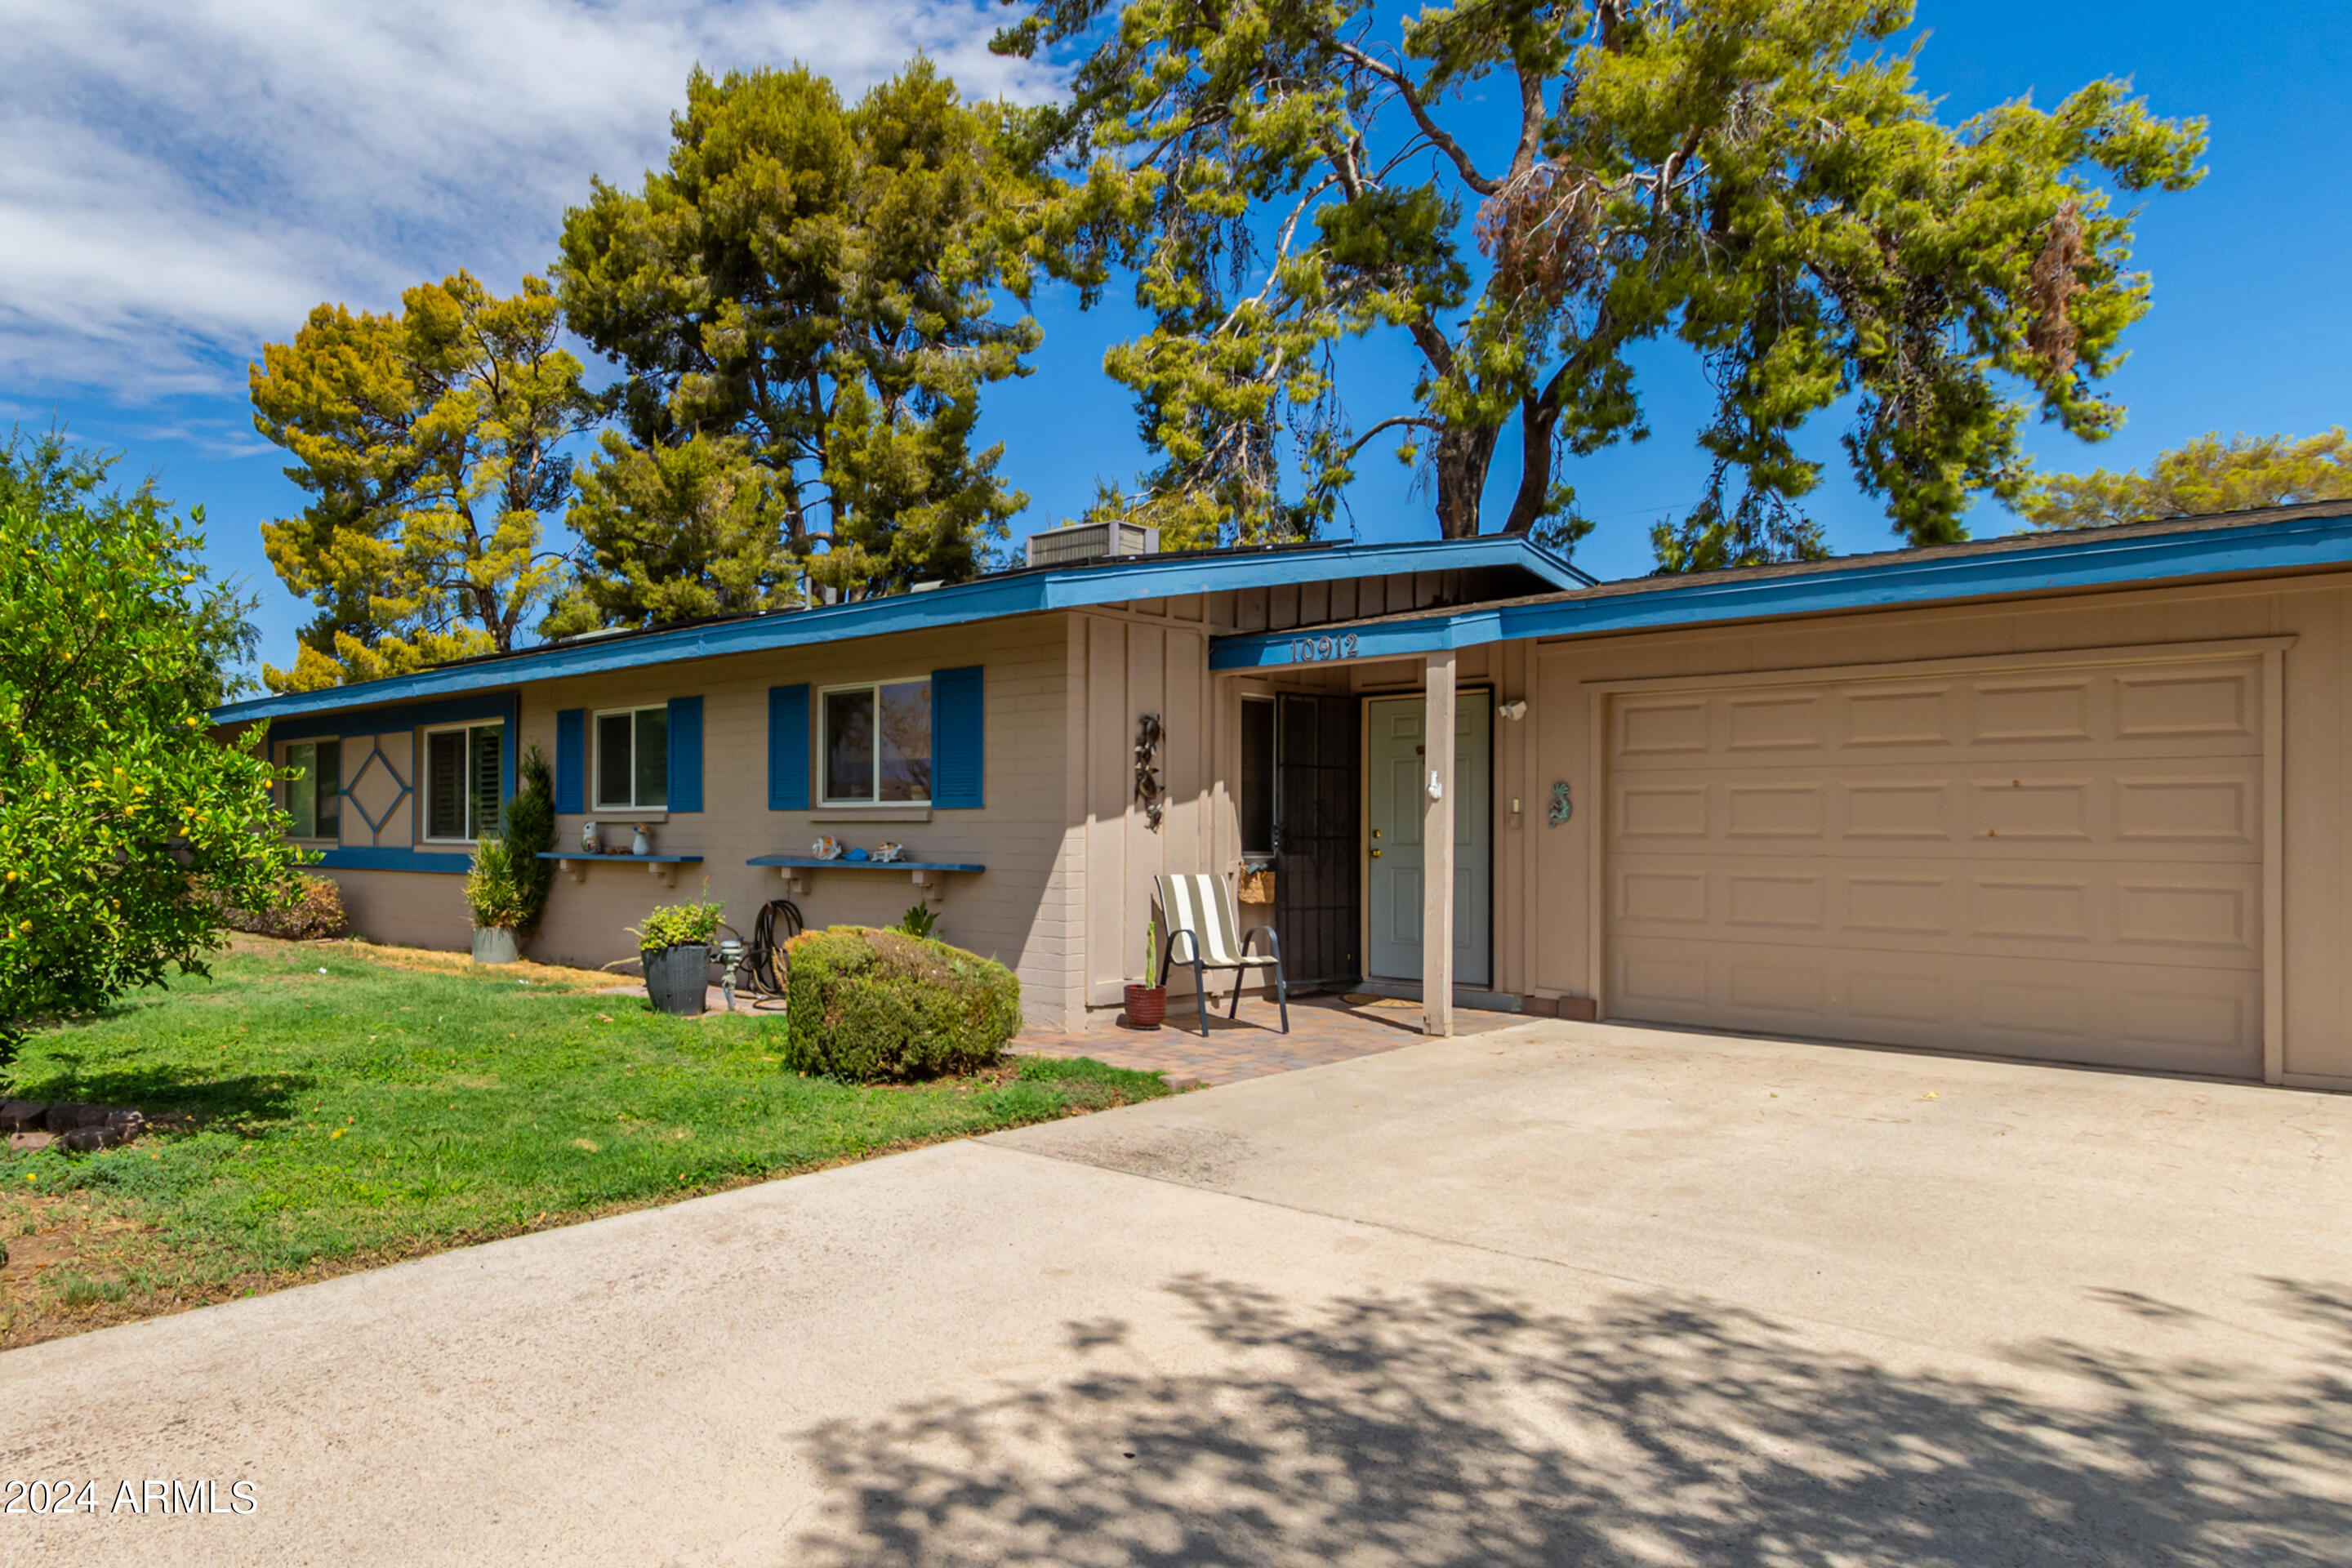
[(677, 978), (494, 944)]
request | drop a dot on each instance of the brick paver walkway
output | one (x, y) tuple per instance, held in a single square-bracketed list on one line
[(1322, 1029)]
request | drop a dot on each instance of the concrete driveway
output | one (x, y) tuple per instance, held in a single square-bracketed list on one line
[(1567, 1294)]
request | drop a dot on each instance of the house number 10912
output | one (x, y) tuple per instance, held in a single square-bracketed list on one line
[(1309, 650)]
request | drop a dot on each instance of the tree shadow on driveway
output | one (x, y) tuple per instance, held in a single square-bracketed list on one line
[(1451, 1426)]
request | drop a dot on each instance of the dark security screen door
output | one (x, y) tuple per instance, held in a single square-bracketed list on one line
[(1316, 850)]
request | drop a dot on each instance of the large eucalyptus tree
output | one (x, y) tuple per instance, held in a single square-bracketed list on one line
[(1526, 191)]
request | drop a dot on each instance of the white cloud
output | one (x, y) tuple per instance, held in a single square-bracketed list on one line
[(182, 180)]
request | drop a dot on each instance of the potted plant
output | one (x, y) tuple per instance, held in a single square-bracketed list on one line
[(496, 894), (675, 943), (1147, 1005)]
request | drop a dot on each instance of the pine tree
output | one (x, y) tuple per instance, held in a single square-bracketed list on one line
[(433, 441), (801, 303)]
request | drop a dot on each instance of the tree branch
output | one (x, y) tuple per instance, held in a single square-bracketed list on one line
[(1531, 122), (1429, 128), (1422, 421)]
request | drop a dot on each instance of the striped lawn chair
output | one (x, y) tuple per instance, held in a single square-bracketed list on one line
[(1198, 911)]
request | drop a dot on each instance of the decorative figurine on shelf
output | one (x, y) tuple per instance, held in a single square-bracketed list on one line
[(589, 843), (889, 852), (827, 848), (641, 844), (856, 855)]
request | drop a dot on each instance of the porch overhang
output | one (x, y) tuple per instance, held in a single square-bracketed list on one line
[(2288, 540)]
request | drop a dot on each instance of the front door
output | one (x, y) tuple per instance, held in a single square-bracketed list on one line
[(1314, 839), (1396, 768)]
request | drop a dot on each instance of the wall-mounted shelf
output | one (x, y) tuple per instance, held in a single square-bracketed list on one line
[(575, 863), (930, 875)]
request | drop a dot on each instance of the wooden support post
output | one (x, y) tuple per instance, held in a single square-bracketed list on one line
[(1437, 846)]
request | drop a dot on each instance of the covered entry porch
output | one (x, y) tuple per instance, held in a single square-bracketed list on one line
[(1372, 826)]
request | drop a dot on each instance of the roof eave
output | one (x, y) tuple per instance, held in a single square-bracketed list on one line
[(2304, 543), (992, 598)]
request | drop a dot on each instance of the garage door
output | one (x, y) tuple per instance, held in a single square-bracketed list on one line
[(2063, 863)]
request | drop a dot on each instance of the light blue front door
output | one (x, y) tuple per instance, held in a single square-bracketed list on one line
[(1396, 772)]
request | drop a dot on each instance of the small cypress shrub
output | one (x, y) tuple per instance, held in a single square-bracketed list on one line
[(529, 832), (866, 1004)]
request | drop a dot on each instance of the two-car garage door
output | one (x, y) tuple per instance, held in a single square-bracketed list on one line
[(2064, 862)]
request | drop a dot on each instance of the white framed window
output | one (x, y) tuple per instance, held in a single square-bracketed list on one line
[(633, 759), (464, 764), (875, 742), (314, 795)]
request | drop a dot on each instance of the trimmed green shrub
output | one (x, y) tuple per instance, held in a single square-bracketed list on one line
[(866, 1004), (677, 925)]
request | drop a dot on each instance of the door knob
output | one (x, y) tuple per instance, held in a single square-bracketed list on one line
[(1376, 854)]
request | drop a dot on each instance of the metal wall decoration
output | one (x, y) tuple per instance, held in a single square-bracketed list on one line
[(1562, 808), (1148, 789)]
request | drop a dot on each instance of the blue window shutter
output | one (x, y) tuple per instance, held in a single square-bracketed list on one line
[(686, 753), (788, 748), (571, 758), (959, 739)]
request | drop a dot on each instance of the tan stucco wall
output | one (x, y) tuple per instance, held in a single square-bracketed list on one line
[(1545, 940), (1016, 911), (1067, 893), (1022, 910), (1152, 659), (406, 909)]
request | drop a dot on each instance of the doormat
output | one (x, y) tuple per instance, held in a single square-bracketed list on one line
[(1367, 999)]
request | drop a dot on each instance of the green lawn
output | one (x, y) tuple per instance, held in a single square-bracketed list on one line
[(326, 1110)]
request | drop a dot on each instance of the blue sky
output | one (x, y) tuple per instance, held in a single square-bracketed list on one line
[(181, 180)]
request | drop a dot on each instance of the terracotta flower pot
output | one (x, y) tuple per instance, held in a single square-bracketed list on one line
[(1146, 1006)]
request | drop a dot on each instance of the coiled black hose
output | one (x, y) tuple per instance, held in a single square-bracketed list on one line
[(779, 922)]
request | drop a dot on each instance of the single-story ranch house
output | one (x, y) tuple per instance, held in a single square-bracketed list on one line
[(2076, 796)]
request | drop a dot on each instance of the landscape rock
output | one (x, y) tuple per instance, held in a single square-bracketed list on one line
[(21, 1115), (66, 1118), (126, 1124), (89, 1140), (26, 1143)]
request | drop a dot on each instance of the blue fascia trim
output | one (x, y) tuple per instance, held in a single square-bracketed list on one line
[(361, 858), (1024, 592), (2300, 544), (640, 859), (380, 720), (811, 863)]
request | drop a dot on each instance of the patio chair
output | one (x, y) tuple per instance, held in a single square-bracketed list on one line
[(1198, 911)]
